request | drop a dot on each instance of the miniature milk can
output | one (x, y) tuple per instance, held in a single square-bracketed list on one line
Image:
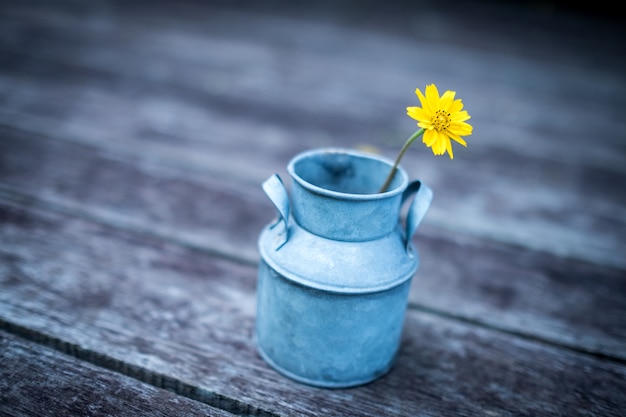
[(336, 267)]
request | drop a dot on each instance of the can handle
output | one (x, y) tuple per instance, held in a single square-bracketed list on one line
[(277, 193), (417, 210)]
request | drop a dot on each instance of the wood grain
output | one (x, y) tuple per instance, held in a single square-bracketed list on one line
[(167, 316), (497, 285), (38, 381), (133, 141), (201, 112)]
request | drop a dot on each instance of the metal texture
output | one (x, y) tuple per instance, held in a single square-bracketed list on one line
[(334, 277)]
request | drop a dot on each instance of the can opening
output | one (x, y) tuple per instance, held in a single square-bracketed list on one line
[(349, 173)]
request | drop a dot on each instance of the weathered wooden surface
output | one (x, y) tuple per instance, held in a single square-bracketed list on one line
[(133, 140), (496, 288), (169, 315), (38, 381), (214, 89)]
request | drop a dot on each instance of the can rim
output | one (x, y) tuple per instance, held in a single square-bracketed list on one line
[(291, 169)]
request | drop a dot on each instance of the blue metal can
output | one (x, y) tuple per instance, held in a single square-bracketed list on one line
[(336, 268)]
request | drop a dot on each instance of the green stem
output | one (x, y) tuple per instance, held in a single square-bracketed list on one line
[(406, 145)]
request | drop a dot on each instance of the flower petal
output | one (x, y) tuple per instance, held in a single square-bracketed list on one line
[(457, 138), (460, 116), (461, 129), (447, 100), (456, 106), (449, 149), (417, 113), (432, 97), (439, 147), (423, 100), (430, 137)]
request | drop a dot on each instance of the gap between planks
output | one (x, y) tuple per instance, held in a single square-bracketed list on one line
[(213, 399), (14, 196)]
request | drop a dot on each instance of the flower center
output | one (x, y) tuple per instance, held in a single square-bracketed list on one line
[(441, 121)]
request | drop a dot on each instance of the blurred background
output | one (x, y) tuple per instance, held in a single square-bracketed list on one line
[(134, 138), (227, 92)]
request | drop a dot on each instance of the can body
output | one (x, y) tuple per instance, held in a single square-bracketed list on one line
[(335, 270), (328, 339)]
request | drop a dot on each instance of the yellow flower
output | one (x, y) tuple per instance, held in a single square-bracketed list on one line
[(442, 119)]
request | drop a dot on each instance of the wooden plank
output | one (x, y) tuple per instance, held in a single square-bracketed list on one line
[(536, 84), (39, 381), (588, 225), (498, 285), (189, 122), (167, 315), (27, 110), (194, 209), (127, 41)]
